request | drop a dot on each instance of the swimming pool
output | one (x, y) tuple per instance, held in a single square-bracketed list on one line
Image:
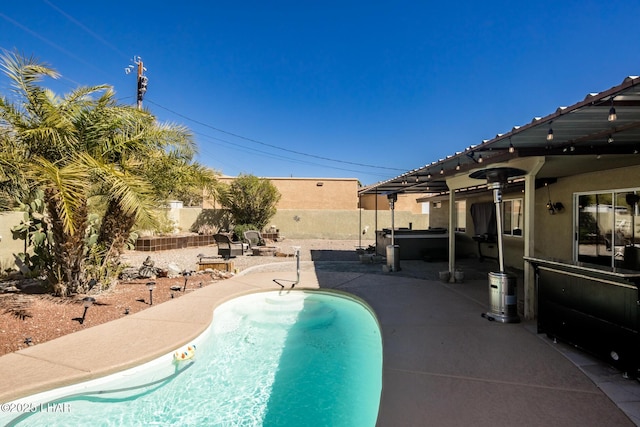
[(287, 358)]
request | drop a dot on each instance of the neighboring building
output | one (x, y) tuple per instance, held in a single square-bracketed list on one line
[(308, 193)]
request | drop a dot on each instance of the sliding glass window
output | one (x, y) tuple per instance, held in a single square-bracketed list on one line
[(608, 228), (512, 220)]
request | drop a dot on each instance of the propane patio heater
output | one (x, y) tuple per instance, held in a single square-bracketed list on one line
[(393, 250), (503, 298)]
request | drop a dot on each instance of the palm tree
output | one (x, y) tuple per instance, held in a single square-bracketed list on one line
[(83, 150), (42, 128)]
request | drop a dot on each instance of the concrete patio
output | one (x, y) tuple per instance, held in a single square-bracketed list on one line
[(444, 365)]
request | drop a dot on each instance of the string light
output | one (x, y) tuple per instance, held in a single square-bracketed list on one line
[(612, 113)]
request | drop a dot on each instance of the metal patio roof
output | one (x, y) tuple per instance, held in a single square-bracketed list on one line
[(583, 140)]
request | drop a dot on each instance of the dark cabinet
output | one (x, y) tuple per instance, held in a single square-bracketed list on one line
[(593, 307)]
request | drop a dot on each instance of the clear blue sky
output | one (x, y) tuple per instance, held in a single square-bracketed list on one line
[(330, 88)]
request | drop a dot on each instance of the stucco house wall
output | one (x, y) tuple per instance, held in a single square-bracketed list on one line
[(554, 233)]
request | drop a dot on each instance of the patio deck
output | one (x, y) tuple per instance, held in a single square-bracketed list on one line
[(443, 363)]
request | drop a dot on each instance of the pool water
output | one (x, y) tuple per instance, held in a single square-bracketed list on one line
[(296, 358)]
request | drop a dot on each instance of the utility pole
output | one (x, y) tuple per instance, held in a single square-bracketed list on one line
[(142, 79)]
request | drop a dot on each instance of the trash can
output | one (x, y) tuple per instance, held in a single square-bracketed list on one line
[(503, 298), (393, 258)]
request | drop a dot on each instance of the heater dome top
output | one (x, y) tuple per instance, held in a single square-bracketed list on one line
[(500, 175)]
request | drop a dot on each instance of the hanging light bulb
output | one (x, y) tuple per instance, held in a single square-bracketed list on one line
[(417, 179), (441, 171), (550, 134), (610, 139), (458, 165), (612, 113), (480, 159), (511, 147), (428, 175)]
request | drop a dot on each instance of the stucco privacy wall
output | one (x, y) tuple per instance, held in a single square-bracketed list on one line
[(8, 246), (325, 223), (554, 233), (336, 224), (292, 223)]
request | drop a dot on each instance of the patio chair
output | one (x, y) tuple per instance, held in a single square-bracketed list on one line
[(227, 248), (254, 239)]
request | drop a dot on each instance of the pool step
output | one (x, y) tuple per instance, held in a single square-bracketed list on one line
[(310, 314)]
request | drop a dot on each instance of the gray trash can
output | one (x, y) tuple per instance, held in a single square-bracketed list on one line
[(393, 257), (503, 298)]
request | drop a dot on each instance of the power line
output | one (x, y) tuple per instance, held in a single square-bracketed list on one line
[(235, 146), (270, 145), (45, 40), (115, 49), (84, 27)]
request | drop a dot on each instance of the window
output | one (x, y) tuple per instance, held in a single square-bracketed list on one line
[(461, 216), (608, 228), (425, 208), (512, 217)]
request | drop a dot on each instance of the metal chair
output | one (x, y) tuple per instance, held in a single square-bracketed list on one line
[(254, 239), (227, 248)]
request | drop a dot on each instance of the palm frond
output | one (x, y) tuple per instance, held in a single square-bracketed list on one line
[(69, 185), (24, 72)]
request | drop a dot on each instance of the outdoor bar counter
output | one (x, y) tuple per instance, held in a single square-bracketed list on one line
[(415, 244), (591, 306)]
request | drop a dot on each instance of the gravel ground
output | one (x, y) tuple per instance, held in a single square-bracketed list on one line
[(310, 250)]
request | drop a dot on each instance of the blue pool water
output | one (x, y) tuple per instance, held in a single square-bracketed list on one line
[(297, 358)]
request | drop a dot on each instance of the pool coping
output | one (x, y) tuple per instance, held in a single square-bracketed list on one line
[(127, 342)]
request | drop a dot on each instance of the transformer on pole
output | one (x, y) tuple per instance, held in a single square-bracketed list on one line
[(142, 79)]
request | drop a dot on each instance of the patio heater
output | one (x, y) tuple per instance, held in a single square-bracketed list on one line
[(393, 250), (503, 299)]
